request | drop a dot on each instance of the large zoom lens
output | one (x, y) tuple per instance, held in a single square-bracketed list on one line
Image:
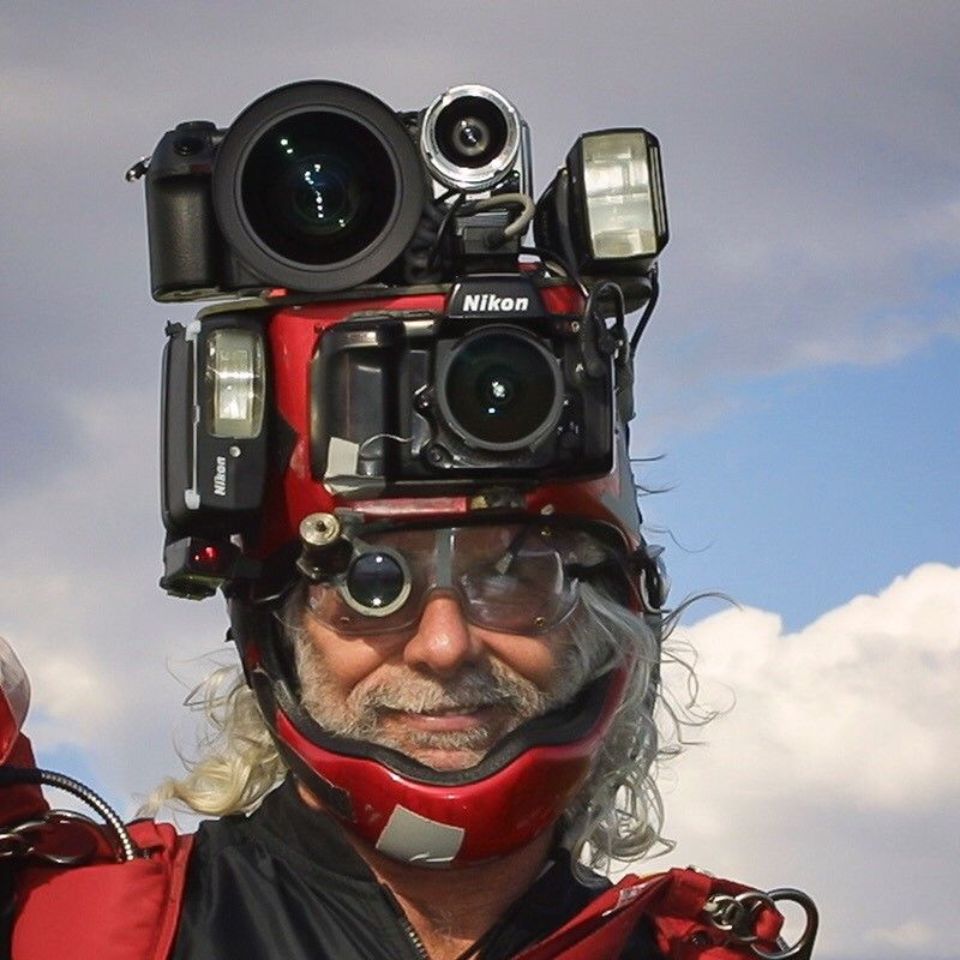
[(500, 389), (318, 186)]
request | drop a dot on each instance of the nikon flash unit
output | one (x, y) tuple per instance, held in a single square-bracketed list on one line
[(606, 210), (214, 435)]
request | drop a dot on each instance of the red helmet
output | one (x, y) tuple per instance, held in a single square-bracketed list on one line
[(405, 809)]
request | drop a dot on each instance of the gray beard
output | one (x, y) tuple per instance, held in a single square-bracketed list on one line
[(399, 689)]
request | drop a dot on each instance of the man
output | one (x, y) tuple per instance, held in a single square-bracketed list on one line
[(494, 682), (441, 718), (416, 497)]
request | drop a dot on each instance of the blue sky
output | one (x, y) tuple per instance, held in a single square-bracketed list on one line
[(799, 381), (819, 485)]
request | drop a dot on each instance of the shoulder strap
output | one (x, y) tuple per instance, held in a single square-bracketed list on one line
[(674, 903)]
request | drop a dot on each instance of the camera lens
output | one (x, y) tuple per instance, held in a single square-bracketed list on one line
[(500, 389), (377, 583), (470, 137), (471, 131), (318, 188)]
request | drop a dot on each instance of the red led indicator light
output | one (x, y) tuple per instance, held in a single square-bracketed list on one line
[(208, 556)]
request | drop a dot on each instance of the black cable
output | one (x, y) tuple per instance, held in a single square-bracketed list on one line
[(647, 313), (603, 289), (597, 341), (419, 252), (442, 229)]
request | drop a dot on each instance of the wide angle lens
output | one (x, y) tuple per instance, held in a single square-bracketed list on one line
[(377, 583), (471, 131), (501, 390), (470, 137), (318, 188)]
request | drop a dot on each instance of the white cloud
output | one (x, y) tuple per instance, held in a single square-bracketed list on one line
[(911, 936), (838, 768), (80, 604)]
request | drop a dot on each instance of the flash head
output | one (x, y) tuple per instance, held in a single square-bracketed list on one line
[(318, 186), (470, 138), (605, 209)]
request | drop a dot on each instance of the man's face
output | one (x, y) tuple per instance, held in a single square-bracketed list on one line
[(444, 692)]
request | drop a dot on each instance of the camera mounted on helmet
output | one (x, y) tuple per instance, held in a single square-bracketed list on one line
[(412, 403)]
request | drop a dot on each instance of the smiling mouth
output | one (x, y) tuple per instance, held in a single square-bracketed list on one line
[(446, 718)]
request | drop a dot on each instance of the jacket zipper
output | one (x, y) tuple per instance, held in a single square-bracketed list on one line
[(405, 924), (414, 939)]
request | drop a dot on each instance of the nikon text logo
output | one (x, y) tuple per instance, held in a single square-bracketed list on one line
[(491, 303), (220, 478)]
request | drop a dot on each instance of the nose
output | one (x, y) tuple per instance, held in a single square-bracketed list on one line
[(444, 641)]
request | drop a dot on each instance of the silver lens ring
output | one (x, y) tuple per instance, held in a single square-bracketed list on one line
[(470, 179), (376, 555)]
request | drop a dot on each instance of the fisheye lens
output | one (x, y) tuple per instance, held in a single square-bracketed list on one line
[(501, 391), (318, 187)]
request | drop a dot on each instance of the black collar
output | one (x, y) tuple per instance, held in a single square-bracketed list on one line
[(555, 896)]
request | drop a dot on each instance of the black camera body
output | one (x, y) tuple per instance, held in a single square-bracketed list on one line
[(189, 259), (315, 187), (319, 187), (493, 391)]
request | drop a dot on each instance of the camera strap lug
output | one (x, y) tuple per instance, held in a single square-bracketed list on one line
[(138, 170)]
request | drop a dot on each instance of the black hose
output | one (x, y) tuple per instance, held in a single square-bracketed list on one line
[(10, 776)]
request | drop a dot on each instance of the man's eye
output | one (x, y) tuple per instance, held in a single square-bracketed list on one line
[(491, 583)]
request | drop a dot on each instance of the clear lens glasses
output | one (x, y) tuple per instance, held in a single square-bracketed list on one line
[(512, 578)]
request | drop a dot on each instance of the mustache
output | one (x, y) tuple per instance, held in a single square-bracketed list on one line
[(408, 692)]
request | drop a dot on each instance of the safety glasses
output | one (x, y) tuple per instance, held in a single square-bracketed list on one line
[(512, 578)]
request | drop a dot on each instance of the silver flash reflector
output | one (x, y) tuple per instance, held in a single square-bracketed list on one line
[(623, 194), (234, 384)]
